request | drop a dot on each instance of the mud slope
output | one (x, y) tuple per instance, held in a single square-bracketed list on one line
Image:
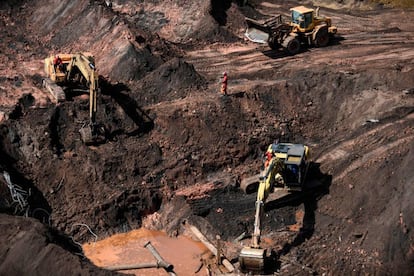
[(185, 21), (177, 149), (329, 96), (28, 247)]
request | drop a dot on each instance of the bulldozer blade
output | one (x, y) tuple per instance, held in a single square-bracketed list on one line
[(86, 135), (54, 89), (250, 184), (257, 36), (252, 259)]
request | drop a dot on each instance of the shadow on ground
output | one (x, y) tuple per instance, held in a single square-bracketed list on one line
[(119, 92), (316, 186)]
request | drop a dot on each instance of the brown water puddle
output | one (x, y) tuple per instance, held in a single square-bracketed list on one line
[(128, 248)]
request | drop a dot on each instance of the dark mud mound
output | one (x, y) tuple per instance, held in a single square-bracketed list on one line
[(28, 247), (173, 80), (9, 4), (223, 23), (127, 63), (219, 10)]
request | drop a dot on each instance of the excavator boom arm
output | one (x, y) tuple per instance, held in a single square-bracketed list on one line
[(266, 182), (86, 66), (253, 257)]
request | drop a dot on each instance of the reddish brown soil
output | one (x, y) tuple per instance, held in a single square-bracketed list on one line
[(177, 150)]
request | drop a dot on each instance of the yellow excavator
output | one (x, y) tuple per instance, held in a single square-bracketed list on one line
[(79, 68), (284, 172)]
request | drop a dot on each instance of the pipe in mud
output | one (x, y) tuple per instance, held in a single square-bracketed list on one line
[(132, 266), (160, 261)]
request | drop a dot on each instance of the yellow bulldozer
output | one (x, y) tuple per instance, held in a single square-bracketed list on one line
[(305, 28), (285, 169), (74, 69)]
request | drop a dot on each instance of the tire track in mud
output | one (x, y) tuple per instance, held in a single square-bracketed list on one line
[(370, 155), (372, 141), (247, 59), (340, 150)]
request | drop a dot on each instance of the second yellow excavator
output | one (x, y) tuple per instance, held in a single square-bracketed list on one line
[(285, 170), (79, 68)]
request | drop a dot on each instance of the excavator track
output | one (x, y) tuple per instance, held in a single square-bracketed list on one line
[(250, 184), (54, 89)]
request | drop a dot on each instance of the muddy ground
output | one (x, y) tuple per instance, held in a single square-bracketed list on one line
[(176, 149)]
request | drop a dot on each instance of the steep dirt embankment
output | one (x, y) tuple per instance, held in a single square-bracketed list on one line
[(31, 248), (185, 21), (68, 26), (369, 162)]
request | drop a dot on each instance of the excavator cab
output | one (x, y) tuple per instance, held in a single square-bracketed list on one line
[(292, 173), (296, 166)]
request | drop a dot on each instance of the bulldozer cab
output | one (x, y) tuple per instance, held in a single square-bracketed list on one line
[(302, 18)]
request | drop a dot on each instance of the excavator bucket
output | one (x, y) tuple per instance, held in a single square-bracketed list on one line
[(252, 259), (250, 184)]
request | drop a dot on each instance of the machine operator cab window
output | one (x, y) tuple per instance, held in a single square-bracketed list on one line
[(302, 17), (292, 173)]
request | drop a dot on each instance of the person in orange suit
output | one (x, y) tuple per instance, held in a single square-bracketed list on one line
[(57, 62), (224, 84)]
